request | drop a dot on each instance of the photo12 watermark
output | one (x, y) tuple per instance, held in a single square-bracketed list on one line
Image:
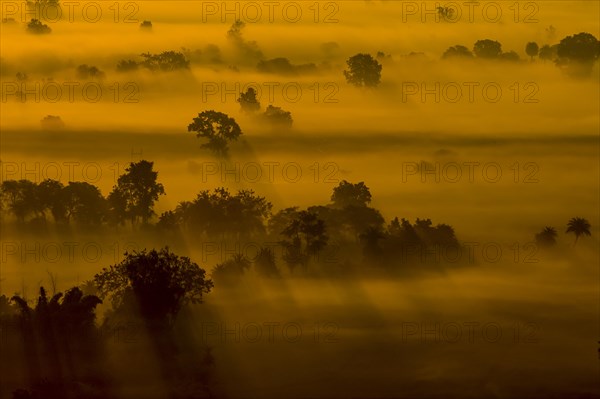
[(291, 12)]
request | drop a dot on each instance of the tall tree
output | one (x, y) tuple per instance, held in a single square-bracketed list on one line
[(136, 192)]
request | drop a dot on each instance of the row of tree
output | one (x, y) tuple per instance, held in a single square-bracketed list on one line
[(131, 200)]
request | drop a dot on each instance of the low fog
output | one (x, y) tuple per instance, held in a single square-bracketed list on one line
[(497, 159)]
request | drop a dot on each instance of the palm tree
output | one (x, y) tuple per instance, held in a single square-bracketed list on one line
[(547, 237), (579, 227)]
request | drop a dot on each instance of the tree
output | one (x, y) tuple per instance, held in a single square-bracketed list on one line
[(166, 61), (582, 48), (248, 50), (546, 238), (579, 227), (348, 194), (364, 70), (36, 27), (305, 237), (230, 270), (20, 197), (135, 193), (445, 13), (89, 72), (548, 53), (532, 49), (511, 56), (278, 117), (84, 204), (265, 263), (370, 238), (488, 49), (218, 128), (127, 66), (159, 282), (52, 122), (457, 51), (220, 213), (59, 330), (248, 101), (51, 197)]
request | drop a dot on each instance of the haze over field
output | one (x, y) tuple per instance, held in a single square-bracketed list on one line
[(402, 217)]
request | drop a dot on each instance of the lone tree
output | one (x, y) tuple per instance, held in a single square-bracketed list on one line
[(364, 70), (579, 227), (136, 192), (218, 128), (159, 282), (248, 101), (487, 48), (546, 238), (532, 49)]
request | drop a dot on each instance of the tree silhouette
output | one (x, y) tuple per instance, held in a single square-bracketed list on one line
[(576, 54), (218, 128), (248, 101), (510, 56), (20, 198), (582, 47), (532, 49), (363, 71), (51, 122), (136, 192), (548, 53), (160, 282), (36, 27), (457, 51), (89, 72), (52, 197), (127, 66), (488, 49), (348, 194), (370, 238), (445, 13), (248, 50), (231, 269), (219, 213), (265, 263), (166, 61), (61, 342), (579, 227), (305, 237), (84, 204), (547, 237), (277, 117)]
